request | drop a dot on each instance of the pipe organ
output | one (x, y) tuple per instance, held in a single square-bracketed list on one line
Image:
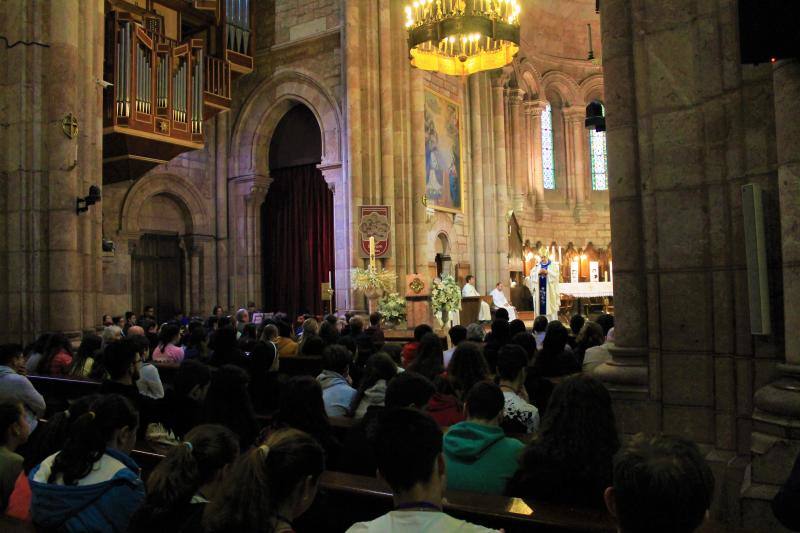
[(164, 88)]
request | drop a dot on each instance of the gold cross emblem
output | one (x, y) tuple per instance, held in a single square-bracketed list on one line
[(69, 125)]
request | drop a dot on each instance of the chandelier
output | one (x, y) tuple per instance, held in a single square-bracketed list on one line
[(461, 37)]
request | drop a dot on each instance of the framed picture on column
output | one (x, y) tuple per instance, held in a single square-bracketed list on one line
[(444, 153)]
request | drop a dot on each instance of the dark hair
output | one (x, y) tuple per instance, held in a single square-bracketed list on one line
[(356, 326), (527, 342), (576, 323), (336, 358), (591, 335), (458, 334), (406, 443), (421, 330), (190, 374), (284, 329), (249, 331), (375, 318), (118, 358), (606, 322), (540, 324), (469, 277), (301, 407), (348, 342), (501, 332), (89, 436), (312, 345), (226, 349), (56, 343), (167, 334), (379, 367), (485, 401), (141, 345), (430, 359), (511, 359), (501, 313), (661, 485), (129, 314), (90, 345), (262, 481), (228, 403), (9, 352), (214, 310), (10, 413), (395, 351), (555, 339), (516, 326), (328, 332), (467, 367), (407, 389), (146, 307), (205, 450)]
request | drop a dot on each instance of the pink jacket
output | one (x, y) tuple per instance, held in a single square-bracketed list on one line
[(170, 354)]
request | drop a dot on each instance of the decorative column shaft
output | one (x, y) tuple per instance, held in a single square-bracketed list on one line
[(500, 175), (533, 110), (519, 186), (576, 157)]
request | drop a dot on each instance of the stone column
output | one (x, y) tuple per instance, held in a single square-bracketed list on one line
[(534, 109), (477, 212), (422, 253), (519, 185), (576, 157), (247, 195), (332, 173), (501, 178)]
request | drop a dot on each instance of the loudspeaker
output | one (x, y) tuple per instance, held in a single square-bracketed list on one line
[(756, 251), (768, 30)]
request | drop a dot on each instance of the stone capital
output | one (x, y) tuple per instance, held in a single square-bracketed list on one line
[(535, 107), (515, 96), (331, 173), (574, 114), (499, 79), (627, 371)]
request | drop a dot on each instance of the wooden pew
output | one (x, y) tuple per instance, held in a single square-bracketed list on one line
[(300, 365), (59, 391)]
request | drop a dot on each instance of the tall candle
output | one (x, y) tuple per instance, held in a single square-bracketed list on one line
[(372, 252), (559, 255)]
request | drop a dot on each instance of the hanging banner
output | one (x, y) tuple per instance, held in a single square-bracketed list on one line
[(375, 221), (594, 271)]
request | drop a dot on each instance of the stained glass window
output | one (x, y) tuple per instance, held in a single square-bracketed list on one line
[(597, 148), (548, 163)]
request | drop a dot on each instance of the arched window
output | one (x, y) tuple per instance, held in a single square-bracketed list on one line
[(548, 161), (597, 151)]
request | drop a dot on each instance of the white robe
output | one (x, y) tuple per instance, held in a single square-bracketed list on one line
[(469, 290), (499, 299), (553, 301)]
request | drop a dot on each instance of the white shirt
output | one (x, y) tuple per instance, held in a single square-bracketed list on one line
[(518, 409), (469, 290), (417, 522), (595, 356), (499, 298), (448, 355)]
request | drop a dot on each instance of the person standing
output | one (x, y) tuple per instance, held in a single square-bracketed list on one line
[(469, 291)]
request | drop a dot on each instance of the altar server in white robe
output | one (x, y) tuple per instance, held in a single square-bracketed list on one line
[(499, 299), (544, 285), (469, 290)]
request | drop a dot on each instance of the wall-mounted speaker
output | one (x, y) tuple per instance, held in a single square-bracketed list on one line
[(756, 251)]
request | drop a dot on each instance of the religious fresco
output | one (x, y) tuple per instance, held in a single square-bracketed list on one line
[(443, 153)]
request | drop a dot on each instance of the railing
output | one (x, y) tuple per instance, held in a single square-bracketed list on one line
[(217, 77)]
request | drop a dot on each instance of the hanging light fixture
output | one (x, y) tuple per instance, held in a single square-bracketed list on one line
[(462, 37)]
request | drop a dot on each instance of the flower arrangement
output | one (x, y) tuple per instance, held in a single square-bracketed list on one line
[(445, 295), (372, 279), (393, 307)]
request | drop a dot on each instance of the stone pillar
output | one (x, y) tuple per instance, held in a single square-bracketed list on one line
[(247, 195), (332, 174), (422, 253), (519, 182), (576, 157), (476, 152), (501, 179), (534, 109)]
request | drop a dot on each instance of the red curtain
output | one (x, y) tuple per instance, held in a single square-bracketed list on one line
[(297, 240)]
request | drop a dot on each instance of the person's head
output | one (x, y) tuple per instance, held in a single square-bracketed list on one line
[(516, 326), (430, 358), (379, 367), (270, 333), (467, 367), (284, 329), (328, 332), (591, 334), (14, 426), (142, 346), (375, 319), (107, 320), (12, 357), (356, 325), (501, 332), (409, 389), (511, 363), (475, 332), (661, 485), (148, 325), (501, 313), (499, 286), (111, 334), (470, 279), (606, 322), (337, 358), (225, 340), (301, 406), (540, 324), (197, 337), (119, 321), (277, 479), (331, 319), (484, 403), (130, 318), (136, 330), (249, 331), (555, 338), (527, 342), (192, 380), (228, 402), (56, 343), (111, 422), (122, 361), (312, 345), (421, 330), (149, 311), (218, 312), (169, 334), (201, 461), (310, 327), (576, 323), (242, 316), (408, 452), (458, 334)]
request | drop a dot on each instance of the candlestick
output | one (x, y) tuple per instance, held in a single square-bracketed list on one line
[(372, 252), (559, 255)]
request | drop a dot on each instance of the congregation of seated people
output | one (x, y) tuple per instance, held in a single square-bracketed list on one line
[(513, 412)]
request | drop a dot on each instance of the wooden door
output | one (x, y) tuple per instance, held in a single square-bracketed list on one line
[(157, 273)]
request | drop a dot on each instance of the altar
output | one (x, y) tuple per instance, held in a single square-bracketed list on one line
[(583, 292)]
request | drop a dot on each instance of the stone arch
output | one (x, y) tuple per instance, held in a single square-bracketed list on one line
[(264, 108), (564, 86), (532, 80), (179, 189), (592, 88)]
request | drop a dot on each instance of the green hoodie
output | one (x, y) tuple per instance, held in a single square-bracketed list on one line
[(479, 458)]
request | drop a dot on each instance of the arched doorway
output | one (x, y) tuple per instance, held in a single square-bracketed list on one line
[(296, 217)]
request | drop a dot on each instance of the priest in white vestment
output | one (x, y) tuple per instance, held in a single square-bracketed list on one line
[(499, 299), (544, 285), (469, 290)]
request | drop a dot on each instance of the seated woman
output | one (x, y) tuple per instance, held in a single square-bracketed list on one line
[(570, 459), (92, 484), (228, 403), (83, 360), (270, 488), (56, 356), (379, 371), (167, 350), (188, 478), (14, 431), (467, 367)]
